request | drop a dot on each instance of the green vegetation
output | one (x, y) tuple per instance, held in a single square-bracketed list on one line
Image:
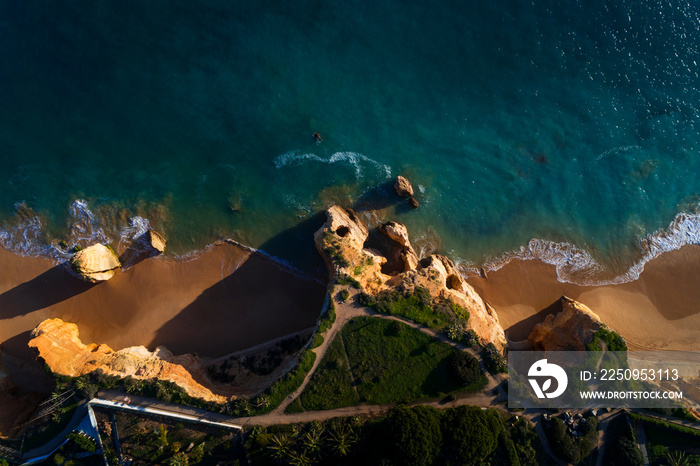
[(344, 294), (670, 443), (421, 436), (621, 446), (279, 390), (331, 385), (148, 440), (345, 279), (327, 319), (367, 261), (608, 339), (389, 362), (392, 362), (494, 361), (673, 429), (83, 442), (464, 368), (565, 447), (331, 247), (417, 306)]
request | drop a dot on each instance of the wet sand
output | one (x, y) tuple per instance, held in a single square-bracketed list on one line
[(226, 300), (659, 310)]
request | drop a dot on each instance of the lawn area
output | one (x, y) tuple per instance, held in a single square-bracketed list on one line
[(417, 306), (391, 363), (331, 385)]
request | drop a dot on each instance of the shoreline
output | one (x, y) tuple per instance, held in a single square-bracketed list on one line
[(227, 299), (655, 311)]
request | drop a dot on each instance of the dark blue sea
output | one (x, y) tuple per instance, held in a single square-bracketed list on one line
[(561, 130)]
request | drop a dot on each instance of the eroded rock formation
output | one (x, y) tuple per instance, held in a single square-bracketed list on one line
[(403, 187), (156, 241), (570, 329), (95, 263), (59, 345), (370, 258)]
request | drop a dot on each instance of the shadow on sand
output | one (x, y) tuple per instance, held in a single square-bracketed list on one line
[(260, 301), (51, 287), (522, 329)]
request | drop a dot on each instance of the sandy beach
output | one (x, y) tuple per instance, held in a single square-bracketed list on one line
[(659, 310), (226, 300)]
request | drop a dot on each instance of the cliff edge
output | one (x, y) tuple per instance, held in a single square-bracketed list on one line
[(383, 258), (59, 345), (570, 329)]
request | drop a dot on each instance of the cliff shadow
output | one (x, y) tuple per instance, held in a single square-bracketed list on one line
[(51, 287), (260, 301), (377, 198), (521, 330), (25, 367)]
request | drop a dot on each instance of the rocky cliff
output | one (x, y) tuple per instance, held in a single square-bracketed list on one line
[(570, 329), (95, 263), (383, 258), (59, 345)]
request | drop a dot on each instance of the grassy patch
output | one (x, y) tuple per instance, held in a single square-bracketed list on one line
[(294, 407), (396, 363), (279, 390), (611, 340), (331, 385), (417, 306)]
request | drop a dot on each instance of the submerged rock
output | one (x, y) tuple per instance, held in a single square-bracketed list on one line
[(403, 187), (95, 263), (570, 329), (156, 241)]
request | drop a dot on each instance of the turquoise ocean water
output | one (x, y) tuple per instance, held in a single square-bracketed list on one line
[(574, 123)]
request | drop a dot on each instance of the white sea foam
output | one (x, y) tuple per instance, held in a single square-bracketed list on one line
[(293, 158), (575, 265)]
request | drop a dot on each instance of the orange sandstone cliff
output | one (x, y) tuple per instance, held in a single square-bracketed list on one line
[(568, 330), (60, 347), (383, 258)]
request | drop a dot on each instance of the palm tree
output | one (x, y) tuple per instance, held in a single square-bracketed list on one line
[(342, 439), (677, 458), (262, 401), (313, 441), (299, 459), (281, 447)]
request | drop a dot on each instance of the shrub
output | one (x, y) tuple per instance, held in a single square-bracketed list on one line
[(464, 368), (344, 295), (494, 360)]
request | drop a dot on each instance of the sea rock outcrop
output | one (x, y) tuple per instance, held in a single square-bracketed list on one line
[(95, 263), (156, 241), (570, 329), (59, 345), (368, 257), (403, 187), (398, 233)]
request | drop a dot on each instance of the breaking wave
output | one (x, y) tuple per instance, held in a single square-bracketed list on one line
[(355, 159), (577, 266), (27, 236)]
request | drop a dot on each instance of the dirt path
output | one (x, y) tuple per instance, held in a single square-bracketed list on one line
[(344, 311), (349, 309)]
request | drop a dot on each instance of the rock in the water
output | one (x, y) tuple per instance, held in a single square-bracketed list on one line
[(156, 240), (403, 187), (413, 203), (95, 263), (571, 329)]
